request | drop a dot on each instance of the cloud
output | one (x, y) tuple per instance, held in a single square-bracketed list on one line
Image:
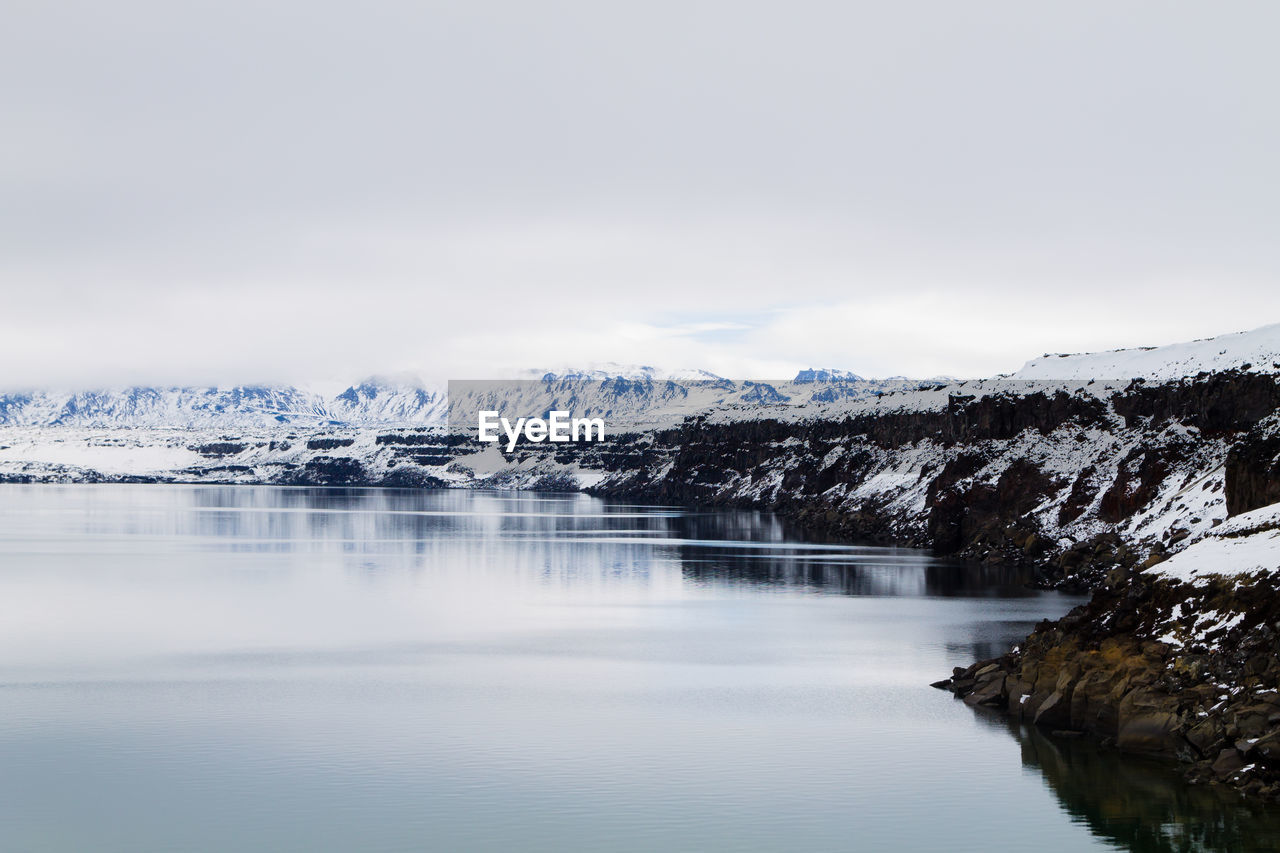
[(280, 190)]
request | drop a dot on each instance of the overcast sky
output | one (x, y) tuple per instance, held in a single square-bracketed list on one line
[(231, 192)]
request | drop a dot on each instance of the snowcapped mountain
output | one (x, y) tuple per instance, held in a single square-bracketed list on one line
[(640, 397), (253, 407), (137, 406), (1256, 351), (627, 396), (826, 374), (391, 401), (612, 370)]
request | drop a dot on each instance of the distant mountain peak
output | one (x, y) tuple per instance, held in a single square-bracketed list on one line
[(602, 371), (369, 403), (826, 374)]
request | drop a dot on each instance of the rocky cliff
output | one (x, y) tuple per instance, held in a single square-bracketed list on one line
[(1075, 480), (1180, 661)]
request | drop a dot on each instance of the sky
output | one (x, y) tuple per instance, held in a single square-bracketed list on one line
[(219, 192)]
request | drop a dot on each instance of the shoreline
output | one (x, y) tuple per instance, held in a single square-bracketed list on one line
[(1179, 662)]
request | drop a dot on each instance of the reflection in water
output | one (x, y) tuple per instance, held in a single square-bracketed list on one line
[(1142, 804), (388, 670), (538, 535)]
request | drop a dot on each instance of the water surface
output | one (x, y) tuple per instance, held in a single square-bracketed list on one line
[(242, 668)]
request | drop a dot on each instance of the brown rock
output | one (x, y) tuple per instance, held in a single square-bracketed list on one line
[(1227, 763), (1268, 748), (1154, 732), (1092, 705), (1207, 737), (986, 670), (1015, 689), (1054, 711), (1252, 721), (988, 692)]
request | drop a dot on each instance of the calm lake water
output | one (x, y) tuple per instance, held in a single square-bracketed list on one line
[(253, 668)]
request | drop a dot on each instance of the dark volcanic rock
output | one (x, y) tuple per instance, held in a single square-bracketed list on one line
[(1114, 668), (331, 471), (329, 443), (1253, 470), (219, 448)]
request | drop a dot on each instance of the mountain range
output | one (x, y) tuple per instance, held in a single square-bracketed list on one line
[(630, 396)]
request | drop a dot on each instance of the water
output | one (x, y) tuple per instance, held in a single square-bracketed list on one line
[(253, 668)]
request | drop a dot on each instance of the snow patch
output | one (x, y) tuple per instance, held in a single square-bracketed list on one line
[(1257, 350)]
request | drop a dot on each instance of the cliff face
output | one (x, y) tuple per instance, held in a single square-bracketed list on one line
[(1073, 482), (1253, 468), (1181, 660), (1187, 672)]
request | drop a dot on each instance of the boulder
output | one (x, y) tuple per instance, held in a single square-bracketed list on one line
[(1228, 762), (1207, 737), (1016, 692), (1252, 722), (1055, 711), (1267, 748), (988, 692), (1153, 732), (1092, 705)]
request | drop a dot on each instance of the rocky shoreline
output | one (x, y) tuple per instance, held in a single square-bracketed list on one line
[(1181, 661)]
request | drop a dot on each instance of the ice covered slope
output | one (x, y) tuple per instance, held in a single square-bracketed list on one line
[(1258, 350)]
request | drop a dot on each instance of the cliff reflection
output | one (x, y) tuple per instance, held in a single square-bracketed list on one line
[(557, 538), (1139, 804), (534, 532)]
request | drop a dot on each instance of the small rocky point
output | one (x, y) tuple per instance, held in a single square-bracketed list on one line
[(1188, 671)]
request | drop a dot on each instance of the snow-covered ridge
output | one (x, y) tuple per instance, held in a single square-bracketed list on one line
[(633, 396), (1247, 543), (369, 403), (608, 370), (630, 397), (826, 374), (1257, 350)]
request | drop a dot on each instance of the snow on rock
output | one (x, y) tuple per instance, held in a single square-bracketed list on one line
[(1244, 545), (1264, 518), (1258, 351)]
